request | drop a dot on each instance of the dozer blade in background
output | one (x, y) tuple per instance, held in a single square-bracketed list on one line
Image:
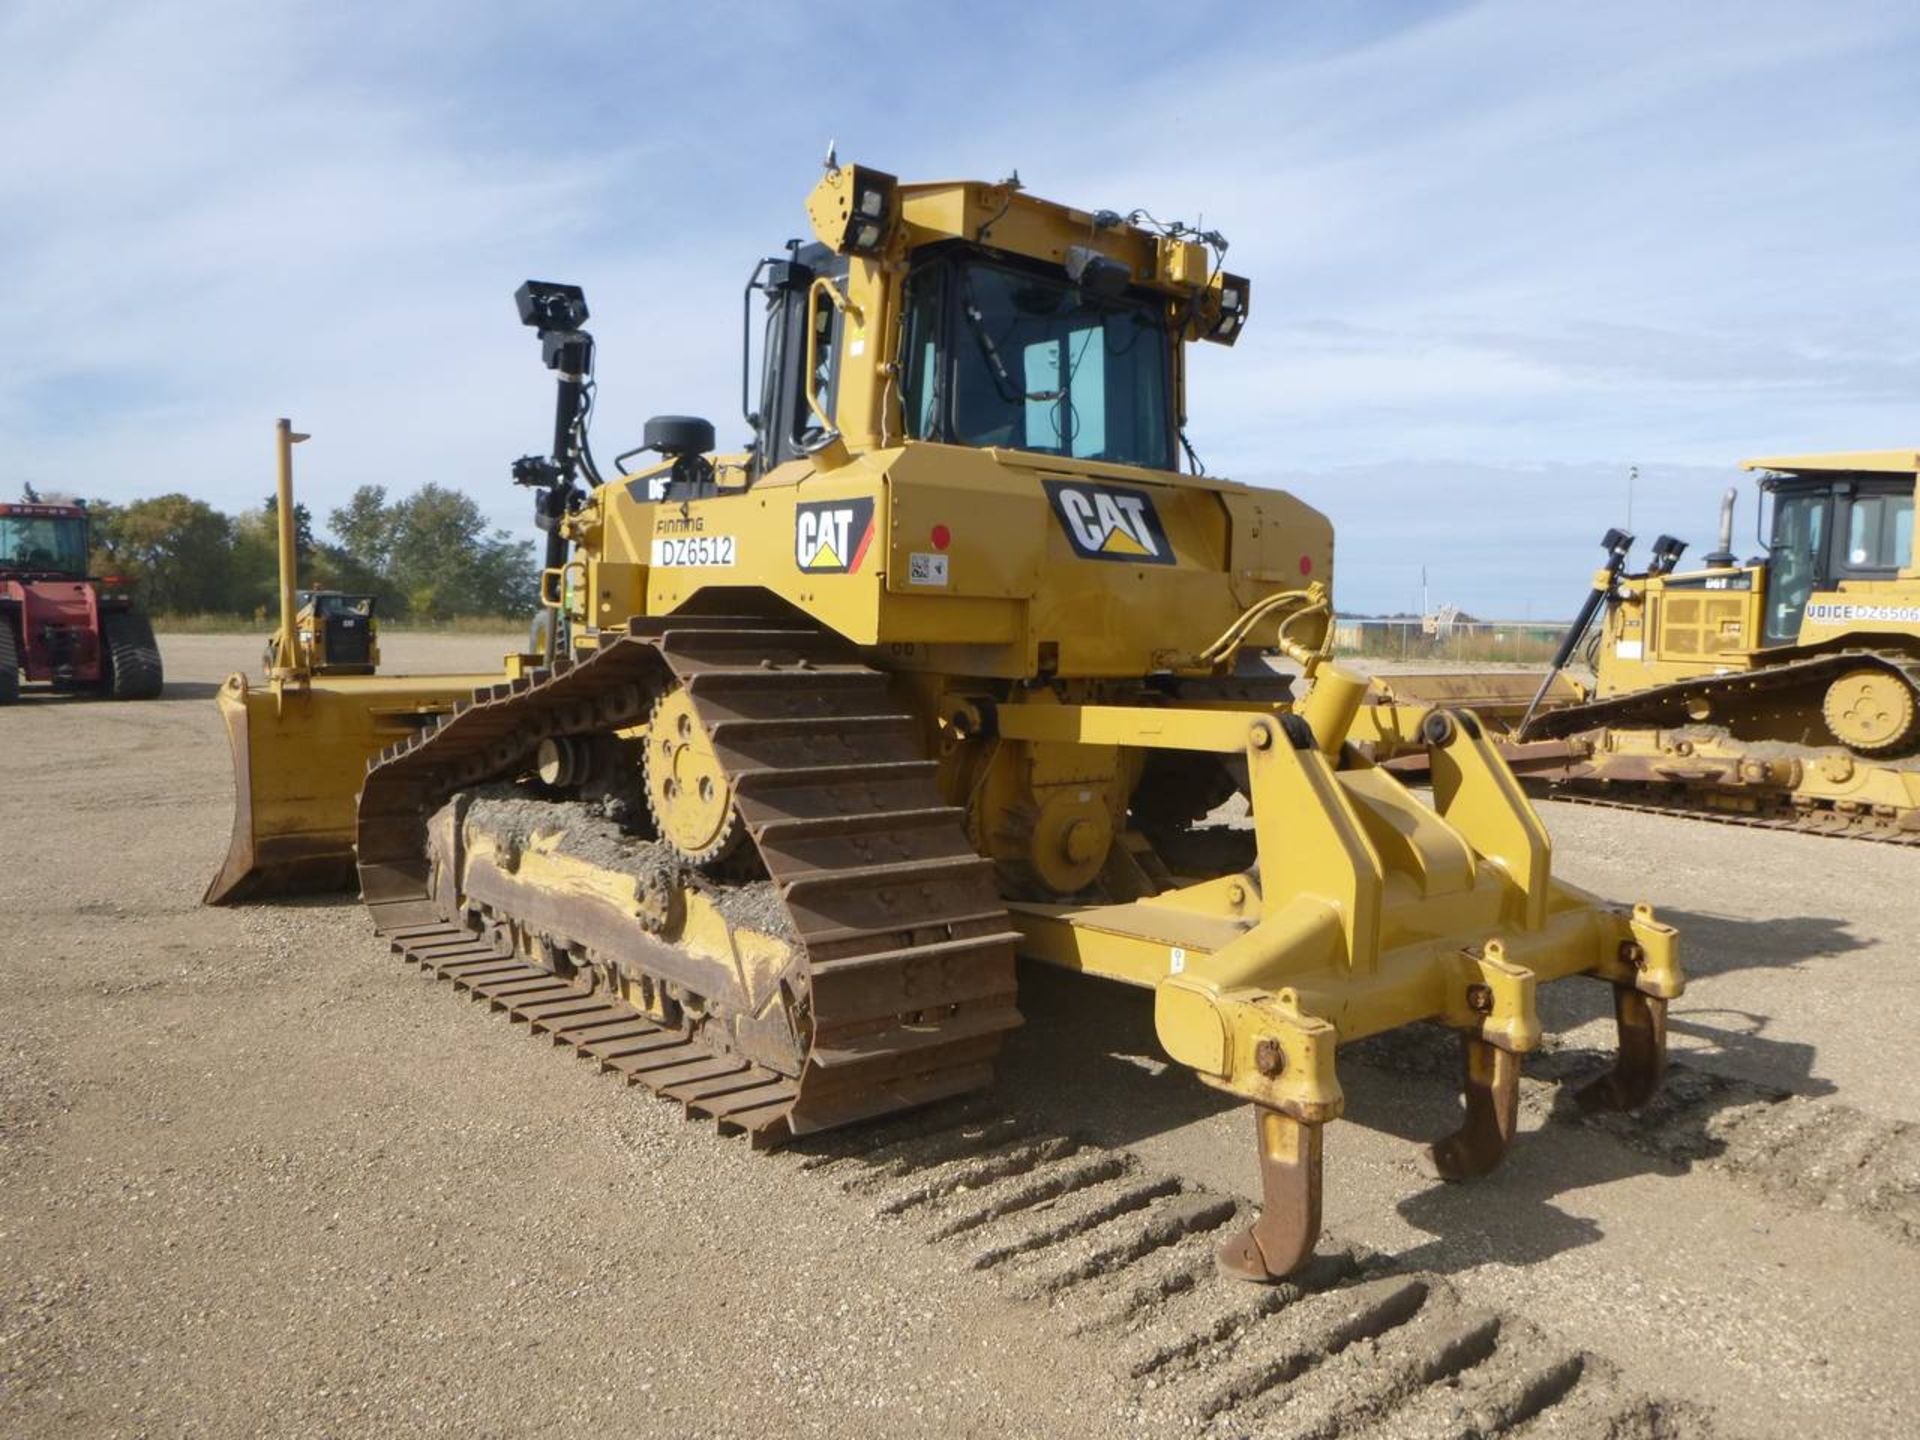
[(1499, 696), (300, 751)]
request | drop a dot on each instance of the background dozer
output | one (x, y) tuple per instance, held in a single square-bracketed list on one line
[(952, 663), (334, 634), (1782, 690), (61, 627)]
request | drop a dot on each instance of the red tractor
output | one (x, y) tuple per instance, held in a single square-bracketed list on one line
[(57, 625)]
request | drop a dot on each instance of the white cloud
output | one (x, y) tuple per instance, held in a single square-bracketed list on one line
[(1508, 234)]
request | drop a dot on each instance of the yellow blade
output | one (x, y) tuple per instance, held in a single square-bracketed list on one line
[(298, 757)]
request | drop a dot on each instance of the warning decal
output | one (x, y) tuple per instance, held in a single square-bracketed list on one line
[(830, 537), (1110, 522)]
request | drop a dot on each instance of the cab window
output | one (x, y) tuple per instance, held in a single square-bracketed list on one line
[(1005, 355), (1879, 533)]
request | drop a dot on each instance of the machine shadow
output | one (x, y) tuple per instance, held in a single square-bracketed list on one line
[(1090, 1047), (1722, 944), (1728, 1041)]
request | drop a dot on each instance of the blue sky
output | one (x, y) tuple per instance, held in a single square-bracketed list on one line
[(1500, 251)]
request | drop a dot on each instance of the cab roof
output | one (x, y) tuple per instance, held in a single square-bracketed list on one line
[(1875, 462)]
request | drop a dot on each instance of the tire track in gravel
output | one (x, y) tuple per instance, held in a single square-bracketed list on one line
[(1810, 1152), (1352, 1346)]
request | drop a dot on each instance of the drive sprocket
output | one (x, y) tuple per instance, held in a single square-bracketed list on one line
[(688, 790)]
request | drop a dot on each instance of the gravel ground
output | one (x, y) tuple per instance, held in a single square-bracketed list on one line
[(257, 1178)]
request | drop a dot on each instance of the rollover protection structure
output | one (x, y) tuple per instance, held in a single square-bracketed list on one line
[(953, 663)]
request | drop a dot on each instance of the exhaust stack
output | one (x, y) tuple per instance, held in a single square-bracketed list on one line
[(1722, 556)]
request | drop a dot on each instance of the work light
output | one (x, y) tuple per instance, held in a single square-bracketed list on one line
[(852, 209)]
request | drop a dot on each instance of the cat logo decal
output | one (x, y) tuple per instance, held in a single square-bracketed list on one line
[(830, 537), (1110, 522)]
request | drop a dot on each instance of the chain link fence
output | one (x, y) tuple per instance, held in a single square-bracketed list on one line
[(1441, 637)]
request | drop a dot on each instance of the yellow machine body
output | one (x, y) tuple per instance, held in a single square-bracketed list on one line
[(956, 561), (965, 489)]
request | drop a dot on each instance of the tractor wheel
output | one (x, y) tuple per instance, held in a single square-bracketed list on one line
[(1872, 711), (133, 657), (9, 664)]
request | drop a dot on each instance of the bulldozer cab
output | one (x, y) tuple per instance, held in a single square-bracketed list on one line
[(996, 351), (1832, 528), (999, 352), (339, 629), (976, 315)]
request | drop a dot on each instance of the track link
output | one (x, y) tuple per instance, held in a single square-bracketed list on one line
[(905, 982), (1674, 800), (1666, 705)]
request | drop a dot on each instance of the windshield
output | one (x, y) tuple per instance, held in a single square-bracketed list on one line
[(334, 605), (997, 356), (44, 542)]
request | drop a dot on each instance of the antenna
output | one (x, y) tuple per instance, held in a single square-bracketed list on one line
[(832, 162)]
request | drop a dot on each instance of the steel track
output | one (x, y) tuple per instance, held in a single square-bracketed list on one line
[(905, 981), (1836, 824), (1665, 706)]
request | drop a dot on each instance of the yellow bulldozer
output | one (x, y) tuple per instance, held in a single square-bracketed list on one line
[(952, 663), (1780, 691)]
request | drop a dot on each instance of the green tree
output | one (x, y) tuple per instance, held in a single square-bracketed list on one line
[(254, 580), (430, 554), (333, 567), (179, 550), (103, 520), (364, 526), (447, 561), (302, 525)]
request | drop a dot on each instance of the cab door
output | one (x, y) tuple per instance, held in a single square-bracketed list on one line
[(1796, 560)]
